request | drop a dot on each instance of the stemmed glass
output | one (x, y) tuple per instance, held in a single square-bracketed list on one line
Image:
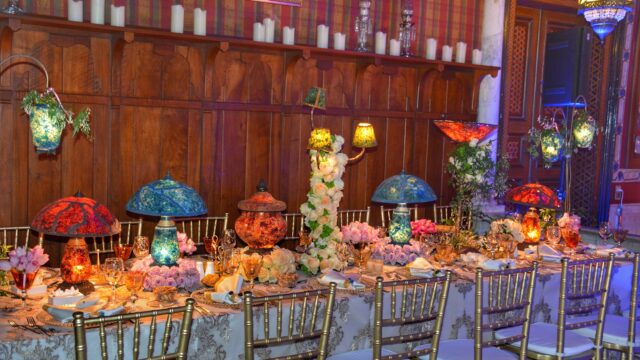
[(492, 245), (24, 281), (552, 234), (251, 266), (604, 231), (211, 245), (140, 246), (134, 281), (112, 270), (123, 251)]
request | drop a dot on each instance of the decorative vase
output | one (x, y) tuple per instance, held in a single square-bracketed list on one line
[(76, 263), (164, 248), (46, 135), (531, 227), (400, 226), (261, 224)]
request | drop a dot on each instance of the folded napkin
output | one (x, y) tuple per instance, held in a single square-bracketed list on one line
[(499, 264), (224, 298), (89, 306), (606, 250), (473, 259), (421, 267), (343, 281), (232, 283), (549, 254)]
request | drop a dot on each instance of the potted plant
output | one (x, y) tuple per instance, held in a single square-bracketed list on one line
[(48, 118)]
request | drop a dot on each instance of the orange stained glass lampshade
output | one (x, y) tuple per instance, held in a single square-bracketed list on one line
[(462, 131), (536, 195)]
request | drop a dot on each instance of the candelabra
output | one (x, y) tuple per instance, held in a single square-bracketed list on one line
[(407, 30), (364, 26)]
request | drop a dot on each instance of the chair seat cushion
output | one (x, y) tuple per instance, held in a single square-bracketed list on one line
[(543, 338), (615, 329), (463, 349), (365, 354)]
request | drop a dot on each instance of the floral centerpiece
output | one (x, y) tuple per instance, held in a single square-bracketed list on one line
[(24, 264), (393, 254), (423, 227), (570, 229), (321, 208), (359, 233), (186, 245), (507, 234), (277, 263)]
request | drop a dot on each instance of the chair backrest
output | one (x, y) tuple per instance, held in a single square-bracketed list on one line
[(80, 324), (421, 301), (348, 216), (306, 304), (508, 302), (387, 213), (199, 227), (445, 213), (105, 245), (633, 309), (581, 281), (15, 236), (295, 224)]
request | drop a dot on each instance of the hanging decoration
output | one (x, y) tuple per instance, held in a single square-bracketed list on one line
[(604, 15), (549, 139)]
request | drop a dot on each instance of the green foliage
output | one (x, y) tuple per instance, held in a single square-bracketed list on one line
[(56, 112)]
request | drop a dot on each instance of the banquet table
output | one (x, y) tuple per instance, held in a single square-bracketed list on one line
[(218, 333)]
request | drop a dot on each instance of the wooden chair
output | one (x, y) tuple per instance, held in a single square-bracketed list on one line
[(105, 245), (443, 214), (199, 227), (348, 216), (506, 302), (580, 282), (422, 302), (387, 213), (306, 304), (15, 236), (80, 324)]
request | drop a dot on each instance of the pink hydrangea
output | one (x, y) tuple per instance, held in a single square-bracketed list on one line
[(186, 245), (359, 232), (393, 254), (423, 227), (24, 260)]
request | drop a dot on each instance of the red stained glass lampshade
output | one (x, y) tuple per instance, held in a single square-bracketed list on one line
[(535, 195), (75, 216), (461, 131)]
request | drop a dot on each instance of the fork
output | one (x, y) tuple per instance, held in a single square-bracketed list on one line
[(23, 327), (32, 323)]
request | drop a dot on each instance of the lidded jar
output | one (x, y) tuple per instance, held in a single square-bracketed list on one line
[(261, 224)]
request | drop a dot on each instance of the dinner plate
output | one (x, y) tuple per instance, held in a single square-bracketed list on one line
[(50, 322), (199, 296), (315, 283)]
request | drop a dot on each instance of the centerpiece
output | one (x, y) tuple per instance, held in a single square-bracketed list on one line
[(358, 236), (24, 264), (504, 236), (570, 229), (278, 265), (261, 224)]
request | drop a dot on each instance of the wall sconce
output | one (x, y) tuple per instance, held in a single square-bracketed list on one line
[(364, 138)]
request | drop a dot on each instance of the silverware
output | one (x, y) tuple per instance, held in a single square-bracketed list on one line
[(32, 323), (23, 327), (202, 310)]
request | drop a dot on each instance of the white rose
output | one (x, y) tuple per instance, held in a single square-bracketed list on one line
[(473, 142), (323, 253)]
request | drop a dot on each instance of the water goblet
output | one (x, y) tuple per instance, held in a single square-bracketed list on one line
[(571, 238), (552, 234), (604, 231), (24, 281), (112, 270), (134, 281), (251, 265), (211, 245), (140, 246)]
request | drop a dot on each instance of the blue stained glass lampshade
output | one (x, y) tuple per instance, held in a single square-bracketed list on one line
[(166, 197), (403, 188)]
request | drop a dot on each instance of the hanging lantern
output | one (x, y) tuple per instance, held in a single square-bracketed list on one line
[(584, 130), (604, 15), (551, 143), (531, 226)]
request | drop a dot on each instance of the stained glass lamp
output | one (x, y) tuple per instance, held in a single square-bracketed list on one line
[(166, 198), (462, 131), (364, 138), (604, 15), (402, 189), (536, 195), (76, 217)]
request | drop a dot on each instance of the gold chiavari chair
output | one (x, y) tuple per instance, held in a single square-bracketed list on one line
[(584, 285), (387, 213), (105, 245), (446, 214), (306, 305), (80, 325), (620, 332), (199, 227), (295, 224), (348, 216), (421, 305), (15, 236), (503, 299)]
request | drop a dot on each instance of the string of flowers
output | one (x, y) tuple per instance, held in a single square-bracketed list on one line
[(321, 208)]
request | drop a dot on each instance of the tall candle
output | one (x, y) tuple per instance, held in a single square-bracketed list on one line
[(381, 43), (75, 10), (199, 21), (288, 35), (394, 47), (432, 48), (117, 15), (461, 52), (269, 30), (97, 12), (258, 32), (476, 57), (177, 18), (323, 36), (339, 41), (447, 53)]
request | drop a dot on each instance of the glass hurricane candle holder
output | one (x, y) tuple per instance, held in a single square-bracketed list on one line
[(75, 267)]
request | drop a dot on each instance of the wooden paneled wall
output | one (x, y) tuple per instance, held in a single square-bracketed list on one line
[(219, 116)]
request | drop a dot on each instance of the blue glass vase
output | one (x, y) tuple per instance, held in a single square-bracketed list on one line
[(164, 249), (400, 227)]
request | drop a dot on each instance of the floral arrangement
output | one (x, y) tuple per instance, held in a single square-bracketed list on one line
[(548, 140), (279, 262), (359, 233), (508, 227), (60, 116), (423, 227), (186, 245), (570, 222), (25, 260), (184, 275), (321, 208), (393, 254)]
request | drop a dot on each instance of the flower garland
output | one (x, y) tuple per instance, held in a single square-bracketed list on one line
[(279, 262), (393, 254), (321, 208)]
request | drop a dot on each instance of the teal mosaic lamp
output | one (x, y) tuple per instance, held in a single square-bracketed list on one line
[(166, 198), (402, 189)]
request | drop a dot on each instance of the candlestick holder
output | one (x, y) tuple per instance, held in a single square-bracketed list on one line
[(12, 8), (364, 26), (407, 30)]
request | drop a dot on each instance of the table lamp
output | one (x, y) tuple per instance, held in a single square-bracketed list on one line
[(535, 196), (166, 198), (402, 189), (76, 217)]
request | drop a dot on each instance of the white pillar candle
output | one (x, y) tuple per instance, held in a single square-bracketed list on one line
[(394, 47), (97, 12), (177, 19), (381, 43), (258, 32), (432, 48), (339, 41), (476, 57), (288, 35), (199, 22), (269, 30), (447, 53), (461, 52), (117, 15), (322, 36), (74, 11)]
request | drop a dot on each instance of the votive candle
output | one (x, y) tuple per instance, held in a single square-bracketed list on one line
[(447, 53), (461, 52), (339, 41), (258, 32), (394, 47), (288, 35), (269, 30), (432, 48), (323, 36), (476, 57)]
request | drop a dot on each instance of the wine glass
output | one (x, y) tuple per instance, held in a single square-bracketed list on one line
[(134, 281), (123, 251), (233, 262), (552, 234), (210, 245), (571, 239), (363, 255), (491, 243), (604, 231), (251, 266), (24, 281), (112, 270), (141, 246)]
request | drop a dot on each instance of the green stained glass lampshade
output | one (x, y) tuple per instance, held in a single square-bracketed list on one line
[(403, 189), (166, 197)]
